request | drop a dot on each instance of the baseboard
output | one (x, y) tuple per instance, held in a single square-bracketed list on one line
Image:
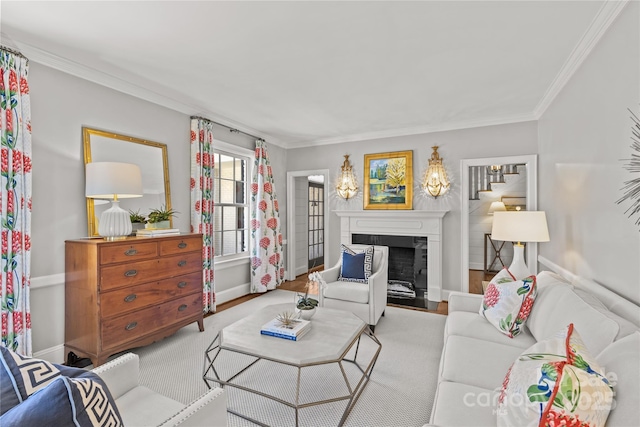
[(476, 266), (52, 354), (233, 293)]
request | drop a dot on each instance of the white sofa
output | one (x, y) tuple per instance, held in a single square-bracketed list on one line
[(140, 406), (476, 356)]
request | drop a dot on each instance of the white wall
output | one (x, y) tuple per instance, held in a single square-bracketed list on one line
[(490, 141), (61, 105), (583, 137)]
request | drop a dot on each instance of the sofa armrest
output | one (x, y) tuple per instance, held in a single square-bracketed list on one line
[(210, 409), (121, 374), (460, 301)]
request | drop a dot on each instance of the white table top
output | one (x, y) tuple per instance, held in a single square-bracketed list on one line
[(332, 332)]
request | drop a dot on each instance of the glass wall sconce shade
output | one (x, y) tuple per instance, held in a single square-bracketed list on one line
[(111, 180), (517, 227), (347, 186), (496, 206), (435, 181)]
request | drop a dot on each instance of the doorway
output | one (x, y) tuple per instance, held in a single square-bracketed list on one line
[(315, 223)]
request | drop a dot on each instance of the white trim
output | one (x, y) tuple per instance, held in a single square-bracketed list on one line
[(291, 214), (53, 354), (49, 59), (416, 130), (46, 281), (531, 161), (223, 264), (233, 149), (233, 293), (601, 22)]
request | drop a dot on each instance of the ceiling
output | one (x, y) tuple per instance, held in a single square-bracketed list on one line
[(308, 73)]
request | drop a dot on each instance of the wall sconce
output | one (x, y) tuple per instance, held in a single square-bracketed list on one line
[(347, 186), (435, 181), (111, 180)]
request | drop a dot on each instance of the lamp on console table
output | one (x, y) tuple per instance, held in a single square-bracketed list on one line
[(518, 227), (111, 180)]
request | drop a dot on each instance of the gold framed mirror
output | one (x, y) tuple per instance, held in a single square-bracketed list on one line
[(151, 157)]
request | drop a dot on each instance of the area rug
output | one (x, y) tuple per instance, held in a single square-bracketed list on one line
[(400, 392)]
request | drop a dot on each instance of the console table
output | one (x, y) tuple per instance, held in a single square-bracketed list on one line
[(130, 292), (497, 256)]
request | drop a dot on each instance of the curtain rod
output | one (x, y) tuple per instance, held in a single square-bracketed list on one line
[(232, 130), (13, 51)]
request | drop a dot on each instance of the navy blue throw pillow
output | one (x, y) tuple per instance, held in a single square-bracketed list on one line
[(356, 267)]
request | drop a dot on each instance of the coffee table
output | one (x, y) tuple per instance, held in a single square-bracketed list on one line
[(330, 341)]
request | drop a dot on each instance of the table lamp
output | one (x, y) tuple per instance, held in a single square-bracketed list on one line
[(111, 180), (518, 227)]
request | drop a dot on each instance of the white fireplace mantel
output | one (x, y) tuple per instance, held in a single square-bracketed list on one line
[(402, 223)]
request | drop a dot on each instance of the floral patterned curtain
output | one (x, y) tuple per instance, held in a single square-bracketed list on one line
[(267, 258), (202, 163), (15, 202)]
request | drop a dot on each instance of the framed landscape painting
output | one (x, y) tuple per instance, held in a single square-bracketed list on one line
[(388, 180)]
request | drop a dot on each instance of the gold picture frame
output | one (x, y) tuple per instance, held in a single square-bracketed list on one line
[(388, 180)]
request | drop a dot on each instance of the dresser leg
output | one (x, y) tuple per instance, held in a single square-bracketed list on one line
[(201, 325)]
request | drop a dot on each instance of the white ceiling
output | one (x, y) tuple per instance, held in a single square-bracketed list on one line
[(305, 73)]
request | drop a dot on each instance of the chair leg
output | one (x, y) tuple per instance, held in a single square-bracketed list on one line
[(383, 313), (373, 328)]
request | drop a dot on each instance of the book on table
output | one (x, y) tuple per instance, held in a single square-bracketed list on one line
[(293, 332), (157, 231)]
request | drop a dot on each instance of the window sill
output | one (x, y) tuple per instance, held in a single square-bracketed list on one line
[(223, 264)]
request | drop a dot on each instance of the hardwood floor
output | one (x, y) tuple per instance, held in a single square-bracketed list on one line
[(475, 280), (299, 285)]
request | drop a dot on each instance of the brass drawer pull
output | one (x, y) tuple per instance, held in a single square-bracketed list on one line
[(182, 245), (130, 273), (130, 252), (131, 326), (130, 298), (182, 263), (183, 307), (182, 284)]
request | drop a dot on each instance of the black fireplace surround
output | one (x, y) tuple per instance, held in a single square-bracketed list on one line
[(407, 265)]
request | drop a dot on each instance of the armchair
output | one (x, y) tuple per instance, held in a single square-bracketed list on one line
[(140, 406), (366, 300)]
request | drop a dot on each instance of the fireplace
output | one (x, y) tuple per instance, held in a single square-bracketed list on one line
[(407, 266), (423, 227)]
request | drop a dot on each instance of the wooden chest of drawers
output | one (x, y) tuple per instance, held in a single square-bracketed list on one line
[(129, 293)]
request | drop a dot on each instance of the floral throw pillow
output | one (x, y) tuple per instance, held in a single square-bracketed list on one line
[(555, 382), (507, 302)]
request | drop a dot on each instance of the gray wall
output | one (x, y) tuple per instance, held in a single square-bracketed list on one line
[(61, 105), (490, 141), (584, 135)]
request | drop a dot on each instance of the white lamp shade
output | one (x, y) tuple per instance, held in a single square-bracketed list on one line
[(496, 206), (520, 226), (109, 180)]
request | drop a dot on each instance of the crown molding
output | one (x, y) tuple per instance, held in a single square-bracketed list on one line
[(599, 26), (417, 130), (68, 66)]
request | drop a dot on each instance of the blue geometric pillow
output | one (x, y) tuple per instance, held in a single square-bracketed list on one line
[(356, 267), (36, 392), (81, 401)]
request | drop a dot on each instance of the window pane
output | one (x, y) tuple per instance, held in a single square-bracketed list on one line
[(229, 220), (217, 241), (320, 250), (310, 193), (240, 169), (240, 193), (321, 195), (242, 241), (216, 161), (240, 217), (311, 241), (217, 219), (226, 167), (216, 190), (310, 252), (320, 236), (228, 242), (227, 191)]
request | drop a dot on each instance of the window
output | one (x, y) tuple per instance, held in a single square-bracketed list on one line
[(231, 198)]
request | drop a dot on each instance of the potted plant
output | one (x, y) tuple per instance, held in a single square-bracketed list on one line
[(138, 221), (305, 305), (159, 218)]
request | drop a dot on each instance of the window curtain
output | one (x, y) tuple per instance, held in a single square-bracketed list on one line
[(267, 257), (15, 202), (202, 164)]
